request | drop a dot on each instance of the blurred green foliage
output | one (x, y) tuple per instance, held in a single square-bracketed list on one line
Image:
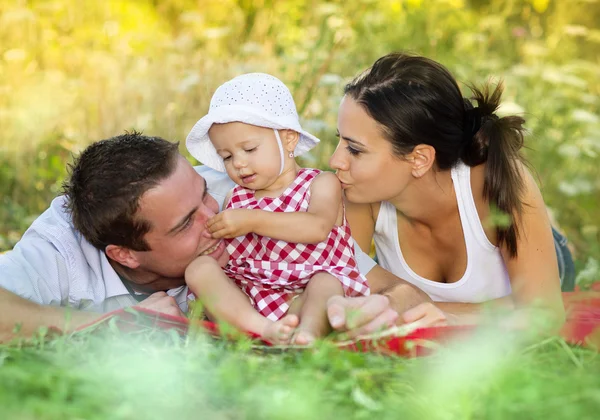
[(73, 73)]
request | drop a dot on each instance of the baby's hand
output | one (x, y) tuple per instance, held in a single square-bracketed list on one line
[(230, 223)]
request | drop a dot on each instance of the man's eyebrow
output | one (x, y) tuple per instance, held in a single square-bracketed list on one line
[(205, 192), (183, 221)]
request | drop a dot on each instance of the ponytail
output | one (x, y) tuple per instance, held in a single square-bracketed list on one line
[(497, 141)]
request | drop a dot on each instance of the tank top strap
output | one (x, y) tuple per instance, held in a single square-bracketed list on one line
[(469, 217), (386, 219)]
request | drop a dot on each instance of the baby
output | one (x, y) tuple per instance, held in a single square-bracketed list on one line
[(284, 226)]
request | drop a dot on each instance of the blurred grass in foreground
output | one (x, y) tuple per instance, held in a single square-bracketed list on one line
[(72, 74), (157, 375)]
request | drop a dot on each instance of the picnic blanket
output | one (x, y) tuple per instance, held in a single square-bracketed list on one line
[(582, 327)]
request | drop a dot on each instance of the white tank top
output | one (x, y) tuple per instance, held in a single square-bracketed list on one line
[(485, 277)]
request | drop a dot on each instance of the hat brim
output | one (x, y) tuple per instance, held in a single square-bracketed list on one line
[(199, 145)]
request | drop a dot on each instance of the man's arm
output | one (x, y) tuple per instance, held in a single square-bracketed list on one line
[(33, 285), (22, 318)]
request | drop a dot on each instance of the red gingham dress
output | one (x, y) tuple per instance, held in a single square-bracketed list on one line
[(272, 272)]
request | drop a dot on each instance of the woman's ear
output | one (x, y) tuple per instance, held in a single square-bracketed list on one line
[(290, 140), (122, 255), (422, 159)]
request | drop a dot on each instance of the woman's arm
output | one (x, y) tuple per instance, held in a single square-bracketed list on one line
[(534, 276), (312, 226), (401, 294)]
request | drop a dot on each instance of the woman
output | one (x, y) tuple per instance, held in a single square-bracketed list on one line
[(441, 188)]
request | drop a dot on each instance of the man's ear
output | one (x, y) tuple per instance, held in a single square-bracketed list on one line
[(122, 255), (422, 159), (290, 140)]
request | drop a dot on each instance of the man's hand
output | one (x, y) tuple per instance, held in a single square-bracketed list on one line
[(230, 223), (360, 315), (161, 302)]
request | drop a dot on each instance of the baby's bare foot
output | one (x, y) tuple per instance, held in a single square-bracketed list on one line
[(280, 332), (303, 338)]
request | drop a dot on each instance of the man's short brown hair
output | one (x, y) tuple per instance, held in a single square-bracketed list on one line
[(106, 183)]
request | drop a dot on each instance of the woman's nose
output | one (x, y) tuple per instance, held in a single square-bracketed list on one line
[(336, 161)]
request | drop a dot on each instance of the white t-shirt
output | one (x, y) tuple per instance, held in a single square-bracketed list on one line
[(53, 264)]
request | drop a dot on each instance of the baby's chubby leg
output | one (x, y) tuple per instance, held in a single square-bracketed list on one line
[(227, 302), (313, 312)]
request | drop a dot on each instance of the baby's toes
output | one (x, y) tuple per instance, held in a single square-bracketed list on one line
[(303, 338)]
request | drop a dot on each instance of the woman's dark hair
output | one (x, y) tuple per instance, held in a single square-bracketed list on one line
[(106, 183), (416, 101)]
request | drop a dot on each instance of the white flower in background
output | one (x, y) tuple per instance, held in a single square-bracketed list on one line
[(569, 150), (192, 79), (589, 98), (14, 54), (576, 187), (553, 75), (523, 70), (510, 108), (143, 122), (330, 79), (584, 116), (576, 30), (314, 125), (216, 33)]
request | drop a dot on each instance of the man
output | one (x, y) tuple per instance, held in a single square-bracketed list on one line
[(131, 219)]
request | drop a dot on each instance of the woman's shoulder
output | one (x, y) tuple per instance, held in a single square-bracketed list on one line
[(478, 174), (530, 193), (477, 181)]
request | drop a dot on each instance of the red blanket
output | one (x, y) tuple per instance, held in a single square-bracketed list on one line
[(581, 328)]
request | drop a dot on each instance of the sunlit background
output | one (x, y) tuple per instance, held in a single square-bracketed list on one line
[(74, 71), (77, 71)]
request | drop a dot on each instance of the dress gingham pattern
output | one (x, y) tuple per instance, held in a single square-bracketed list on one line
[(272, 272)]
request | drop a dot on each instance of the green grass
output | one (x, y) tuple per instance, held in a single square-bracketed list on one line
[(156, 375)]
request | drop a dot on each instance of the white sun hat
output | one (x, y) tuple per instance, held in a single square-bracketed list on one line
[(255, 98)]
